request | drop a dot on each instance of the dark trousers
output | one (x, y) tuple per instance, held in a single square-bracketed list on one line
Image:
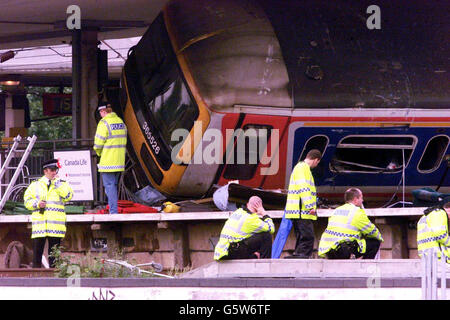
[(245, 249), (38, 249), (304, 234), (346, 249)]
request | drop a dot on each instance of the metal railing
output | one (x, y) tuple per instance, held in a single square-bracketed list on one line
[(43, 150), (430, 274)]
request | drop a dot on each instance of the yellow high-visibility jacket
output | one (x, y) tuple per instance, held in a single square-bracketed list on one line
[(301, 187), (348, 223), (51, 220), (432, 234), (240, 226), (110, 143)]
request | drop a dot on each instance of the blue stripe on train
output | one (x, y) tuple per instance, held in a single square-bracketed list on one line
[(324, 176)]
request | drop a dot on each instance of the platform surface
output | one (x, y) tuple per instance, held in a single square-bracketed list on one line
[(193, 216), (310, 268)]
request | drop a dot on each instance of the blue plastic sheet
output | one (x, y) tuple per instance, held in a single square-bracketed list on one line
[(149, 196), (281, 237)]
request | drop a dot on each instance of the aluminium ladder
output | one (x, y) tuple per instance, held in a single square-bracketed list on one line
[(5, 166)]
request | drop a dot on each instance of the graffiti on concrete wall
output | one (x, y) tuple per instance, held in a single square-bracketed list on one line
[(102, 294)]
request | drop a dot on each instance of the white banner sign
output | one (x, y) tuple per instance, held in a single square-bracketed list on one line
[(77, 171)]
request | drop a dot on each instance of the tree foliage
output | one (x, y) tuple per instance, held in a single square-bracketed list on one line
[(43, 127)]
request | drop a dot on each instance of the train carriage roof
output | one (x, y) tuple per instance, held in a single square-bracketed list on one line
[(334, 59), (331, 59)]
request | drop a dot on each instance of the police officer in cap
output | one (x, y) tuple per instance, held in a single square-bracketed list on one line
[(46, 198)]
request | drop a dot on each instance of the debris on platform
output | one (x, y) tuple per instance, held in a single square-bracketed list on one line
[(428, 197), (199, 205), (15, 208), (126, 206), (18, 208), (72, 209), (149, 195), (233, 195)]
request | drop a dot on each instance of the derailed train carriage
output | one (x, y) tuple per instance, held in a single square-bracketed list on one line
[(292, 76)]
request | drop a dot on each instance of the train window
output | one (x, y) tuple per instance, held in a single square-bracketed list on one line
[(372, 154), (173, 109), (433, 154), (318, 142), (169, 103), (248, 150)]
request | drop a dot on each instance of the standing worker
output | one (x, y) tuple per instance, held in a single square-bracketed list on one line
[(247, 234), (432, 231), (46, 198), (349, 231), (110, 145), (301, 204)]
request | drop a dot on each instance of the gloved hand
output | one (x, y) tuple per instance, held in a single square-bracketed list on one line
[(57, 183)]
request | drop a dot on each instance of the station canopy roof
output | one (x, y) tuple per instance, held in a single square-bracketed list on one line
[(36, 31)]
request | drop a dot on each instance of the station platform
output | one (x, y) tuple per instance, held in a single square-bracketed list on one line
[(309, 268), (193, 216)]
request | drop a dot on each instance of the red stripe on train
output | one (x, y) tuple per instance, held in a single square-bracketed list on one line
[(370, 119)]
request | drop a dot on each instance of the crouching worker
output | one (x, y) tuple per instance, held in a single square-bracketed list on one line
[(349, 231), (432, 232), (46, 198), (247, 234)]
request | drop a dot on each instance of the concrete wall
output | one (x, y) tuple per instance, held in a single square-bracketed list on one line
[(187, 243)]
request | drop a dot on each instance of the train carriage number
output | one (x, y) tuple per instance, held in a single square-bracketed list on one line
[(151, 138)]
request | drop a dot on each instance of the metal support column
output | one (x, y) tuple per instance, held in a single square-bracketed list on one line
[(443, 264), (89, 90), (76, 84), (434, 276), (430, 276)]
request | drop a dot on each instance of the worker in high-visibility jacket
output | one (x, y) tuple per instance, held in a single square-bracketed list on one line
[(432, 232), (247, 234), (349, 231), (110, 144), (301, 204), (46, 198)]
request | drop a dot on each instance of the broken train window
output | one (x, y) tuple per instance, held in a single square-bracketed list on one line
[(433, 154), (372, 154), (249, 145), (318, 142)]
